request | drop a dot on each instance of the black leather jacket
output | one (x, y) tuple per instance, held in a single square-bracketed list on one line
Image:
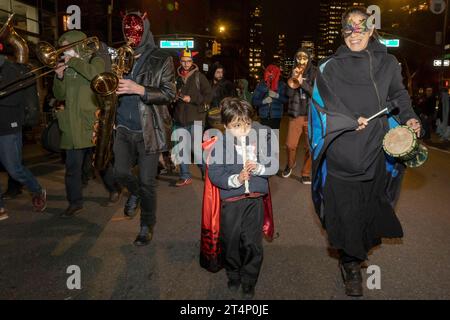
[(157, 75)]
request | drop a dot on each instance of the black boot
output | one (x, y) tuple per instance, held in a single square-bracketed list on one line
[(248, 291), (114, 198), (351, 274), (72, 211), (14, 189), (132, 206), (234, 285), (144, 237), (11, 194)]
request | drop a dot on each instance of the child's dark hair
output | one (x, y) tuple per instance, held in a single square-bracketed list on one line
[(235, 108), (358, 10)]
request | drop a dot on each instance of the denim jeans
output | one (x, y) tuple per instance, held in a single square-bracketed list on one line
[(74, 172), (198, 158), (11, 158), (109, 180), (129, 150)]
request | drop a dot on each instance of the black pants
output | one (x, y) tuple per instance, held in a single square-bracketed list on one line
[(345, 258), (271, 123), (74, 172), (427, 125), (88, 168), (14, 186), (241, 234), (109, 180), (129, 150)]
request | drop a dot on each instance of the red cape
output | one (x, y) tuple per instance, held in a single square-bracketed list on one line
[(210, 250)]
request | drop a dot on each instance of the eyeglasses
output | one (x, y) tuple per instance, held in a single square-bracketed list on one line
[(186, 61)]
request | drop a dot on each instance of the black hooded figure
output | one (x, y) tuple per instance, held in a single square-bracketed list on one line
[(351, 173), (143, 121), (221, 87)]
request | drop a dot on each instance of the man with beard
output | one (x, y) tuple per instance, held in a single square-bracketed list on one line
[(143, 122), (194, 94), (221, 87)]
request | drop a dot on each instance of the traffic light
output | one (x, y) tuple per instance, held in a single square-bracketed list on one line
[(219, 48), (446, 83), (172, 5), (216, 48)]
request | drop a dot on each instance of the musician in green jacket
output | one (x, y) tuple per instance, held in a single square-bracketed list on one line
[(76, 121)]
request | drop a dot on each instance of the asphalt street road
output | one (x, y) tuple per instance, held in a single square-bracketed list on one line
[(36, 249)]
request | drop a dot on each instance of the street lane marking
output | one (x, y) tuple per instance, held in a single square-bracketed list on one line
[(65, 244), (437, 149)]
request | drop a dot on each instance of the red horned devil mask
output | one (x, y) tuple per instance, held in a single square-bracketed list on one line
[(134, 28), (272, 76)]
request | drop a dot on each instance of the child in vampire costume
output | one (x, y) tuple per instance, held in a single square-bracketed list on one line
[(233, 220)]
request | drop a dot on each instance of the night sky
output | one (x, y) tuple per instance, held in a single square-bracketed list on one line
[(296, 18), (293, 17)]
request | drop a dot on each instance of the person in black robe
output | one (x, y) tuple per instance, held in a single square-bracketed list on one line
[(355, 185)]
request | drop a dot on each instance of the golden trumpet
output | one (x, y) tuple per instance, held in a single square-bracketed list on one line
[(294, 82)]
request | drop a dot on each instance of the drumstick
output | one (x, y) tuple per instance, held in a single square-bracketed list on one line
[(378, 114), (244, 159)]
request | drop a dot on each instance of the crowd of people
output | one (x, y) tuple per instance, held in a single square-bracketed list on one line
[(330, 106), (433, 110)]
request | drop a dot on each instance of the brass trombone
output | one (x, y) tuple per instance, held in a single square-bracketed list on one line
[(49, 57)]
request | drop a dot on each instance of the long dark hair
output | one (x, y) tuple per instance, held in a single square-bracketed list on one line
[(362, 11)]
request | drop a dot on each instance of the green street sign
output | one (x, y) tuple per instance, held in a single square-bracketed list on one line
[(176, 44), (391, 43)]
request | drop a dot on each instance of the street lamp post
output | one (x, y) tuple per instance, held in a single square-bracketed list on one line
[(444, 40), (110, 13)]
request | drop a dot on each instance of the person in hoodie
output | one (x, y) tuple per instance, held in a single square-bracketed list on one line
[(299, 100), (194, 94), (143, 122), (269, 97), (12, 115), (221, 87), (242, 90), (72, 84), (350, 170)]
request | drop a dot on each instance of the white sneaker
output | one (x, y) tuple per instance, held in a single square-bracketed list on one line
[(306, 180), (3, 214), (287, 172)]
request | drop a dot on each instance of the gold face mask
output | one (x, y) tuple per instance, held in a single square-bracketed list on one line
[(302, 59)]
